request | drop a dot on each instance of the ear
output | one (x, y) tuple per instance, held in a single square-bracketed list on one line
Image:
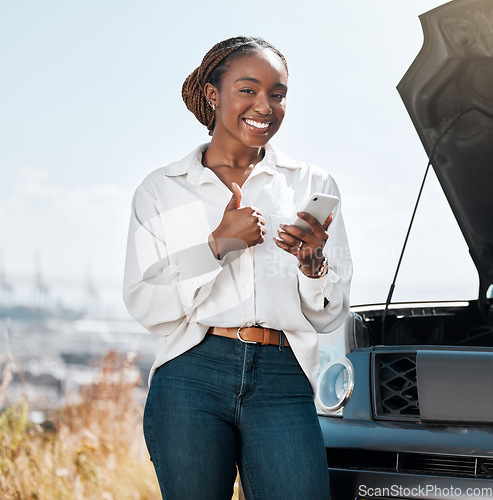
[(211, 93)]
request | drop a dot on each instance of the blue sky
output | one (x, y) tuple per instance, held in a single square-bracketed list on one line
[(91, 103)]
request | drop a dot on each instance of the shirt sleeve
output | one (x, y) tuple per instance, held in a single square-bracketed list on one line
[(164, 281), (325, 301)]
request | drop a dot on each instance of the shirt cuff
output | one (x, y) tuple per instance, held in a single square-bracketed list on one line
[(193, 262), (193, 268), (311, 291)]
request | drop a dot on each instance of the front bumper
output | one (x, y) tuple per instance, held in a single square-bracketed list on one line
[(364, 484)]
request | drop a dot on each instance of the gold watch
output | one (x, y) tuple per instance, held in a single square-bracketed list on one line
[(322, 270)]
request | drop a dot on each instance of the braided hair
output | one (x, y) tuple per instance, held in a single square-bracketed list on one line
[(213, 66)]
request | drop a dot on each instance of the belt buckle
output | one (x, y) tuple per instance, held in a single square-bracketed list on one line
[(238, 335)]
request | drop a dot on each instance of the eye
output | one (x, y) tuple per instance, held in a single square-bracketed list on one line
[(247, 91), (279, 96)]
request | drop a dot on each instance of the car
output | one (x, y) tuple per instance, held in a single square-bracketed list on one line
[(405, 391)]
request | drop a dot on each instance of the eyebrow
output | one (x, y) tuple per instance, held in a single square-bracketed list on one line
[(254, 80)]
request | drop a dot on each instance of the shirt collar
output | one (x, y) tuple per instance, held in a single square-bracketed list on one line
[(197, 173), (275, 158)]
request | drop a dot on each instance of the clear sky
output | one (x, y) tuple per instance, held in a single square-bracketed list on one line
[(90, 103)]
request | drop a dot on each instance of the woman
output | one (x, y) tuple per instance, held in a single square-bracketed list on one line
[(236, 293)]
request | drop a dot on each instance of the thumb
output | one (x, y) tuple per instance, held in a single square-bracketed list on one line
[(235, 201), (328, 221)]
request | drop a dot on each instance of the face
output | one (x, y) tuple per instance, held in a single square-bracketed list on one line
[(251, 99)]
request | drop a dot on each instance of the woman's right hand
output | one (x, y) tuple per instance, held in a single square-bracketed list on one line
[(239, 227)]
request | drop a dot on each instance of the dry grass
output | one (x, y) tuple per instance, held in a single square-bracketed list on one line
[(92, 450)]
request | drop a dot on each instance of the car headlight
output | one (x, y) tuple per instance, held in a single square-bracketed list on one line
[(335, 385)]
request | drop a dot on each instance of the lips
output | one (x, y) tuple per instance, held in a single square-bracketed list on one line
[(256, 125)]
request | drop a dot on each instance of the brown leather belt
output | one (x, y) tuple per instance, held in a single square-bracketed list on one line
[(251, 334)]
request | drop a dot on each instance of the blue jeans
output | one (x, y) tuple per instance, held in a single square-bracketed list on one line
[(224, 404)]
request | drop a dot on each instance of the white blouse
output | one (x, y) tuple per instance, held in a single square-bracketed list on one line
[(175, 287)]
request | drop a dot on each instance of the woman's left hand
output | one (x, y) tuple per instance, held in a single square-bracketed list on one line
[(305, 246)]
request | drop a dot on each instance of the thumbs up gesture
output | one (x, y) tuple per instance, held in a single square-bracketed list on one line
[(240, 227)]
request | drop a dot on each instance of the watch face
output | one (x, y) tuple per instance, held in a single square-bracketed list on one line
[(322, 270)]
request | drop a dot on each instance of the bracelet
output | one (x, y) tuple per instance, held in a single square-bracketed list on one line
[(322, 270)]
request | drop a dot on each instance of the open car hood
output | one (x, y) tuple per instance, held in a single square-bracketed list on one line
[(448, 92)]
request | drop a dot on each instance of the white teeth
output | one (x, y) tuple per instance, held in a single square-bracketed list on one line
[(253, 123)]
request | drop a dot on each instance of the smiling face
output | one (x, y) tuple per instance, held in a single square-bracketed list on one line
[(251, 99)]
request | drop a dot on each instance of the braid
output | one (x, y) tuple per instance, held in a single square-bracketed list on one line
[(213, 65)]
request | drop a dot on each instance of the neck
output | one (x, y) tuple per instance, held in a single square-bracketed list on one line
[(241, 158)]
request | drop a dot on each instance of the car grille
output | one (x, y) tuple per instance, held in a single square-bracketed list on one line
[(447, 465), (395, 387), (411, 463)]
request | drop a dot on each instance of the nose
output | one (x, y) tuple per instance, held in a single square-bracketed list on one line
[(262, 105)]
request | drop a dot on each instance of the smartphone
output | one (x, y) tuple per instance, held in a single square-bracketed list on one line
[(320, 206)]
